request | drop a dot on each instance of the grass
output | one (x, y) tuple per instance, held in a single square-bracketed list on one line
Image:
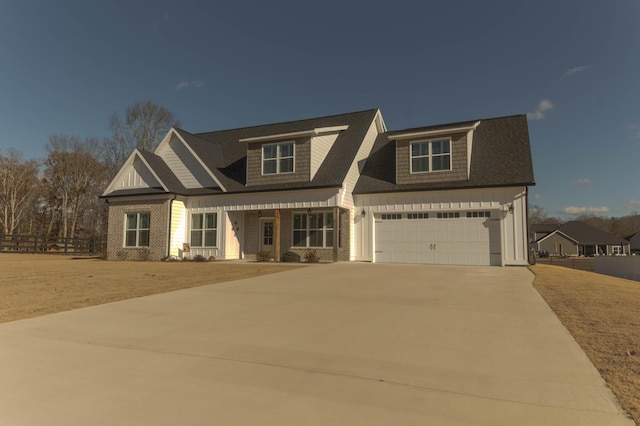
[(603, 315), (34, 285)]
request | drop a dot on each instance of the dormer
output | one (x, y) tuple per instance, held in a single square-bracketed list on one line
[(434, 154), (288, 157)]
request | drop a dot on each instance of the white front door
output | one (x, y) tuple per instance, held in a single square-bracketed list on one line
[(266, 235)]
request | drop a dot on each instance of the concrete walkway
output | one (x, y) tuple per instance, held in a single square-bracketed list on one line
[(344, 344)]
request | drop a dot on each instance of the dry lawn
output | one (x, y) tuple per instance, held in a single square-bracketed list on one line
[(34, 285), (603, 315)]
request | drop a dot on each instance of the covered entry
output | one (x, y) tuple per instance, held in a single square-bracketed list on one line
[(444, 238)]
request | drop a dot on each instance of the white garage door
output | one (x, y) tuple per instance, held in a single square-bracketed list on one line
[(442, 238)]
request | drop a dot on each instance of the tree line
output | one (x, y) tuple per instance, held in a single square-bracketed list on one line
[(623, 227), (58, 196)]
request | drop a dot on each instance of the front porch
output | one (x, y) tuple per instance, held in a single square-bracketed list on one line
[(324, 230)]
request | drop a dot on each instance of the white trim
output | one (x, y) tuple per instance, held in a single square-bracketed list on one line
[(278, 158), (429, 133), (312, 132), (125, 167), (557, 231), (430, 156)]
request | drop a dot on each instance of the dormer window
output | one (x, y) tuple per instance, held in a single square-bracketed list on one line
[(431, 155), (277, 158)]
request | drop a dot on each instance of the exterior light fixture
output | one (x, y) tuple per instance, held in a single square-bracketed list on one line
[(511, 208), (363, 213), (259, 213)]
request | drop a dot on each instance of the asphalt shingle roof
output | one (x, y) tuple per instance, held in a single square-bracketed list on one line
[(501, 156), (587, 234)]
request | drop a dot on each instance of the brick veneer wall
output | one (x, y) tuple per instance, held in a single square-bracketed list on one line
[(158, 230), (458, 162)]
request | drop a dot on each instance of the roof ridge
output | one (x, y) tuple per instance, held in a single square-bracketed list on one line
[(455, 123), (286, 122)]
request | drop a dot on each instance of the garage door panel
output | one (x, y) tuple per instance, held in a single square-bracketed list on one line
[(459, 241)]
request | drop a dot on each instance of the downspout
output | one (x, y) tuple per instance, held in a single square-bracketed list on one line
[(169, 225)]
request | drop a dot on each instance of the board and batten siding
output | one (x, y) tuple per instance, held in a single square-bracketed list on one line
[(136, 176)]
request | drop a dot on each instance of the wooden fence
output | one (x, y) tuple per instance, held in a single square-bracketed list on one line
[(52, 245)]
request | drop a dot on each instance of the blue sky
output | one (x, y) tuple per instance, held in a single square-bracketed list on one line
[(573, 66)]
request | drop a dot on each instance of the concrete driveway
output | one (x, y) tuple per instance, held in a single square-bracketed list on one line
[(346, 343)]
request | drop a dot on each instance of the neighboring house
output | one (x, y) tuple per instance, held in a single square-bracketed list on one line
[(342, 185), (580, 239), (635, 243)]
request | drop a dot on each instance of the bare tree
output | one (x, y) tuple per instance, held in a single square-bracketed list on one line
[(143, 126), (73, 178), (18, 183)]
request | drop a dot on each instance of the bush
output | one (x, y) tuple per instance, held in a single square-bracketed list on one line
[(289, 256), (311, 256), (263, 256), (199, 258)]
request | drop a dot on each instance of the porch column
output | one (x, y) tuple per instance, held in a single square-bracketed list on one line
[(276, 235), (336, 233)]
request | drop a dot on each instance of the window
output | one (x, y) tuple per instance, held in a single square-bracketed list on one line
[(391, 216), (448, 215), (418, 216), (313, 230), (617, 250), (277, 158), (137, 230), (479, 214), (431, 156), (204, 229)]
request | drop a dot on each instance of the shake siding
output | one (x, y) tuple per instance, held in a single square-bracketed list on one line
[(458, 162), (301, 167), (185, 166), (320, 147)]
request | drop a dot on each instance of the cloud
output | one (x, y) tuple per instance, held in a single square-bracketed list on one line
[(635, 129), (586, 210), (633, 205), (583, 181), (184, 84), (576, 70), (544, 106)]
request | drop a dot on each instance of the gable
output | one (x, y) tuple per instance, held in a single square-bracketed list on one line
[(135, 174), (185, 165)]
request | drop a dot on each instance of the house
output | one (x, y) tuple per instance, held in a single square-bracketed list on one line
[(343, 185), (635, 243), (580, 239)]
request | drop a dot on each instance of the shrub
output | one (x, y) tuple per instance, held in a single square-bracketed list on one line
[(311, 256), (263, 256), (290, 256), (199, 258)]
